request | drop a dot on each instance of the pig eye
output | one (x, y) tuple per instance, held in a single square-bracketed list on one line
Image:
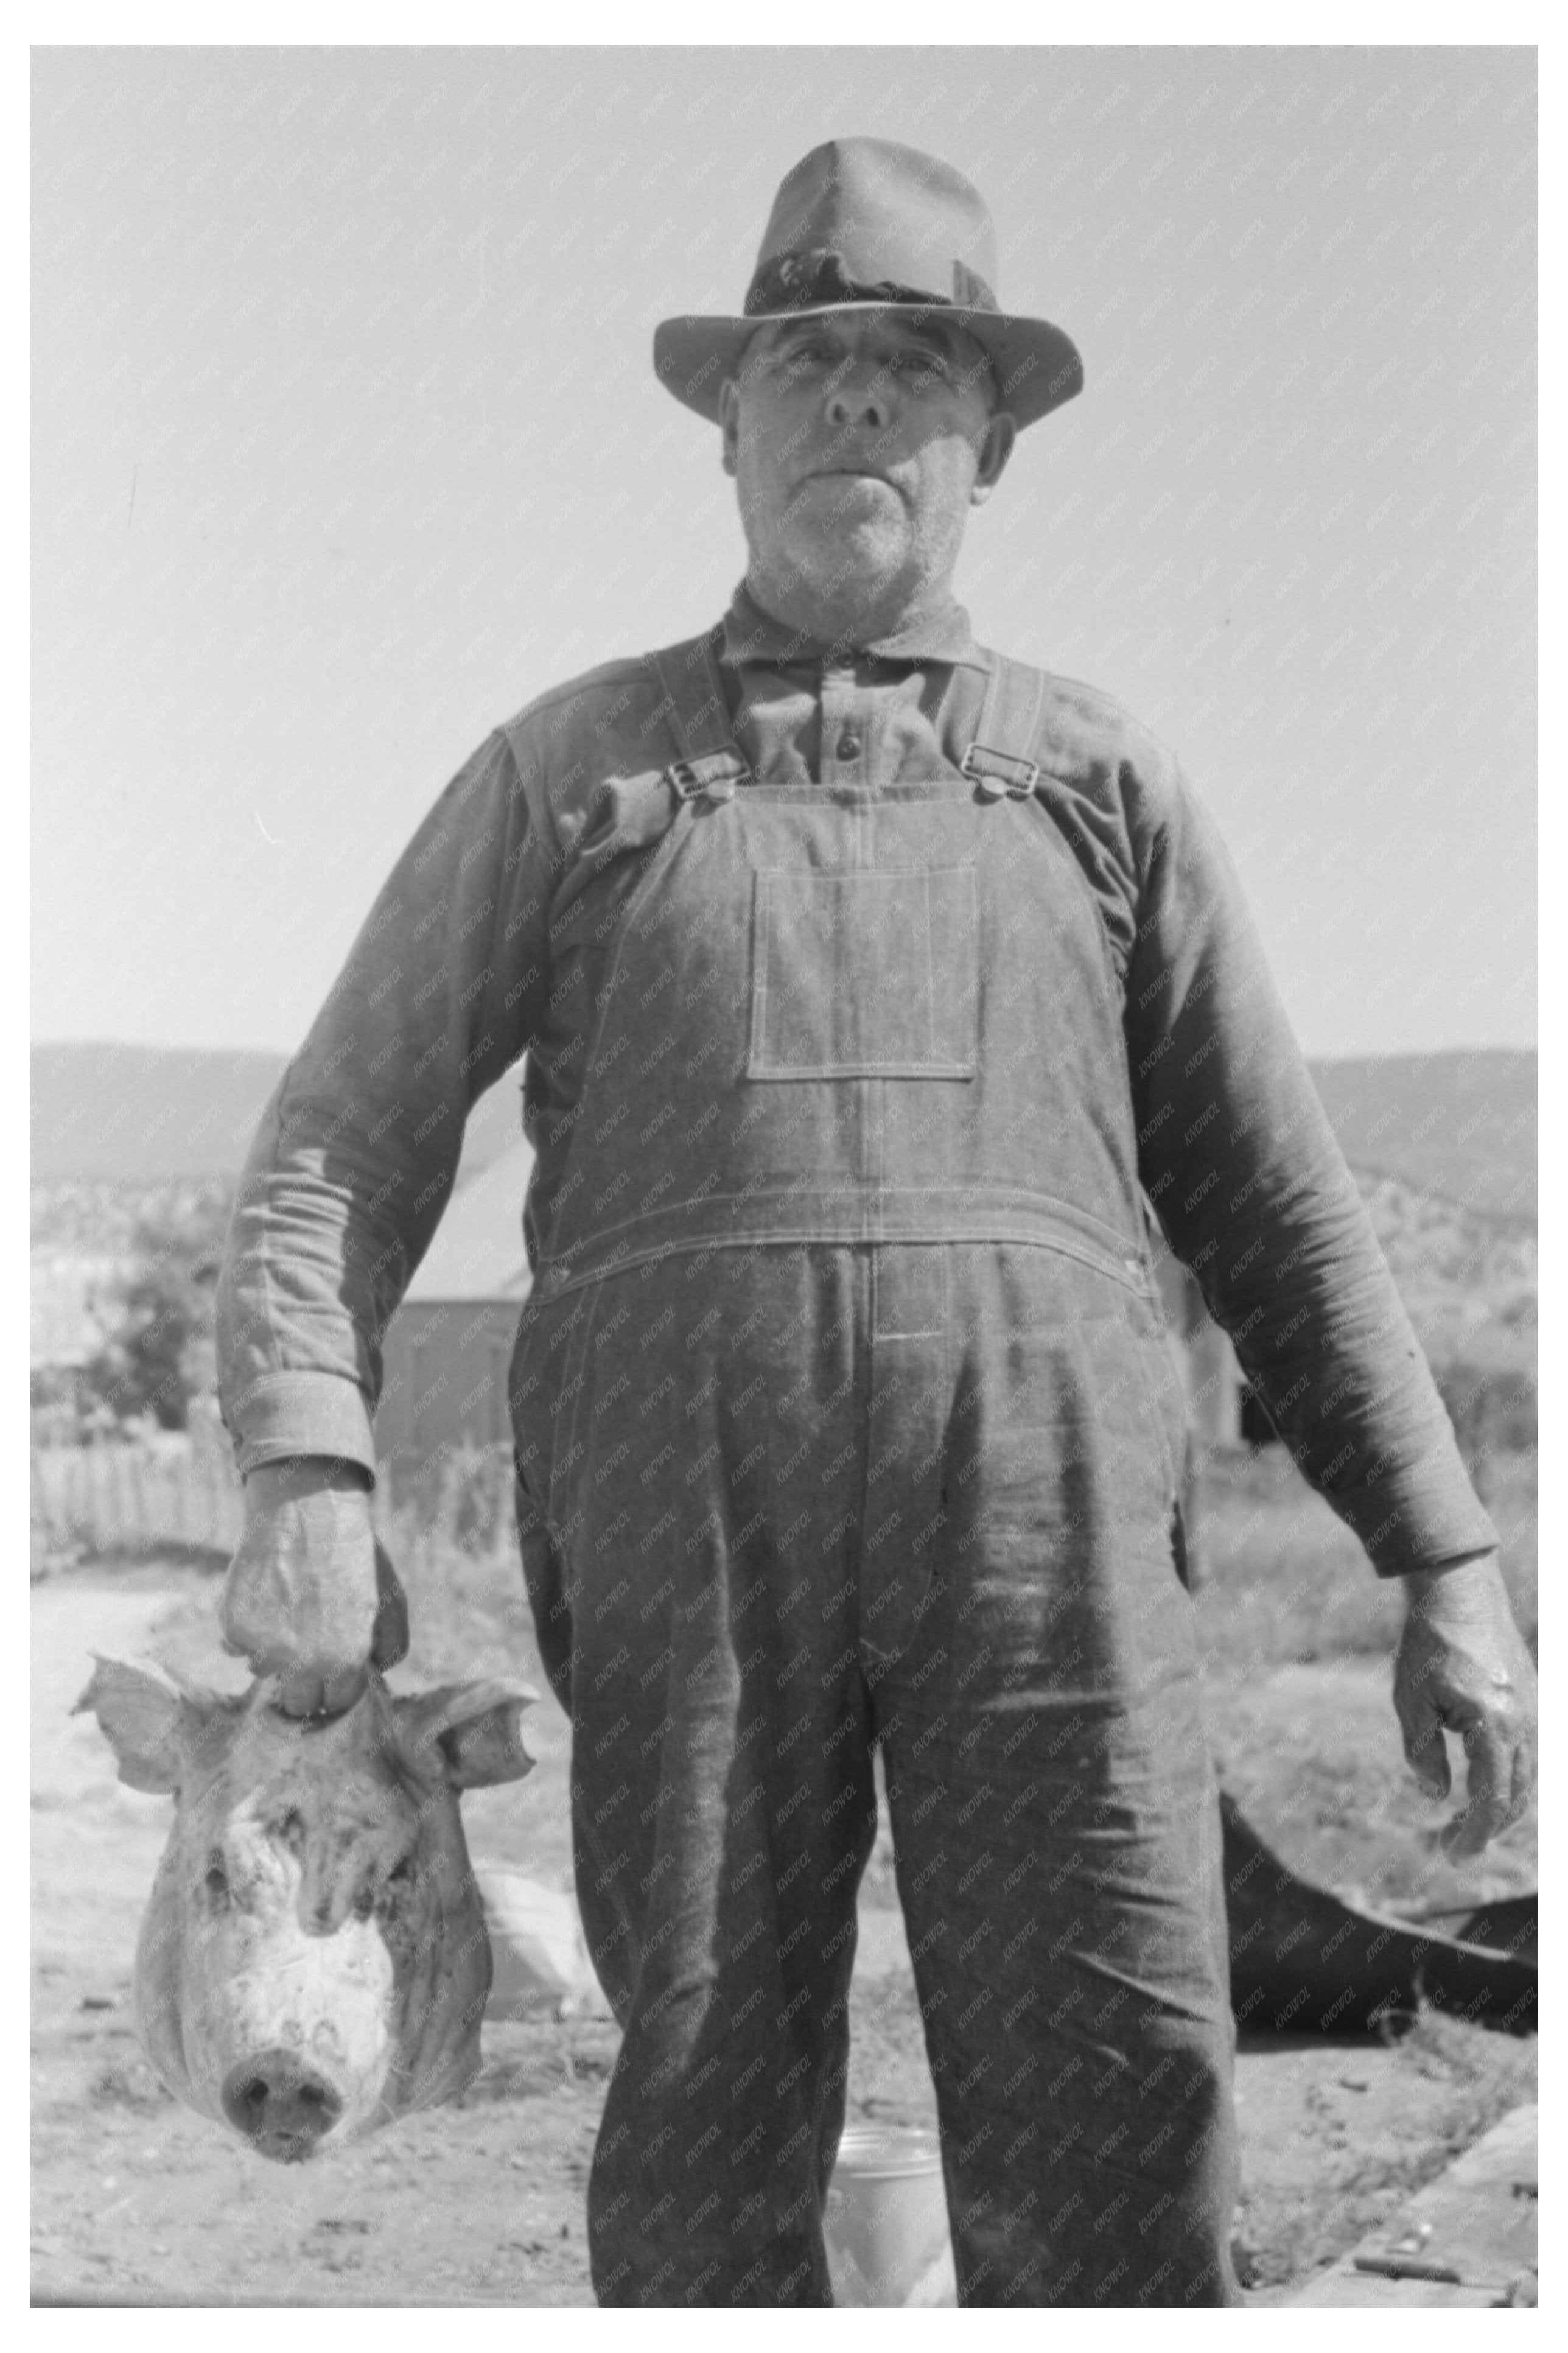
[(217, 1879), (402, 1871), (364, 1903)]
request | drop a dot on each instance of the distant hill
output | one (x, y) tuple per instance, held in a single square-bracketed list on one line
[(145, 1114), (153, 1114), (1460, 1125)]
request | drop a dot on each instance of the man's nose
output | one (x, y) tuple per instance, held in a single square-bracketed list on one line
[(859, 400)]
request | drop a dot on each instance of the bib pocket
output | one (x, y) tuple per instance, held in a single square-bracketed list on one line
[(864, 973)]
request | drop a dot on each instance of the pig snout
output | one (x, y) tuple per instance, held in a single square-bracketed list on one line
[(283, 2107)]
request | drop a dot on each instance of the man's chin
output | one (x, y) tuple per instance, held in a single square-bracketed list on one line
[(870, 548)]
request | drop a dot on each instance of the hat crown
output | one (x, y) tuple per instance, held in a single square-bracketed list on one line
[(869, 221), (868, 213)]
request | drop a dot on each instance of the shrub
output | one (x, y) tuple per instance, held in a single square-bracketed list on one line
[(162, 1353), (1492, 1408)]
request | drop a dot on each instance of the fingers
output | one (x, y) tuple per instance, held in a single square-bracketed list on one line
[(1524, 1771), (1428, 1761), (1484, 1690), (1487, 1786), (254, 1592), (311, 1600), (1425, 1750), (1503, 1781), (389, 1642), (1500, 1783)]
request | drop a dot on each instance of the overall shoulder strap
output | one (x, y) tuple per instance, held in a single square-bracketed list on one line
[(998, 759), (699, 718)]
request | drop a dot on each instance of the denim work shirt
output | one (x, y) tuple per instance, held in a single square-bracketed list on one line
[(1150, 1050)]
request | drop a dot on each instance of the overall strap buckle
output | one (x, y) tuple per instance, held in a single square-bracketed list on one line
[(712, 777), (999, 776)]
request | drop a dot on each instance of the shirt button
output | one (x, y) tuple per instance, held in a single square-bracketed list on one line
[(848, 745)]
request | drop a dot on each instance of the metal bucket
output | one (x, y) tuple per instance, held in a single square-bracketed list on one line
[(886, 2219)]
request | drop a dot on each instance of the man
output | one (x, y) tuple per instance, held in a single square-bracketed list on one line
[(868, 983)]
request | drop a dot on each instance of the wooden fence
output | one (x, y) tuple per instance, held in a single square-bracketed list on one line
[(132, 1499), (110, 1498)]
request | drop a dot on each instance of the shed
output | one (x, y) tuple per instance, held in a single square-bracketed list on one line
[(447, 1349)]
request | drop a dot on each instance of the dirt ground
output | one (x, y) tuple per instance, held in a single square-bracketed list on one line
[(136, 2201)]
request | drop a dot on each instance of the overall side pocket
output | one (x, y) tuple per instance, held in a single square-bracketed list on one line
[(548, 1376), (1165, 1395), (544, 1579)]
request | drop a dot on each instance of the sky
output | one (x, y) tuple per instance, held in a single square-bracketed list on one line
[(346, 444)]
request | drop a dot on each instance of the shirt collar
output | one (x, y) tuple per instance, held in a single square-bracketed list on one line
[(750, 635)]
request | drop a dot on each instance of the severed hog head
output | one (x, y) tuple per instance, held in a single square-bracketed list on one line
[(313, 1958)]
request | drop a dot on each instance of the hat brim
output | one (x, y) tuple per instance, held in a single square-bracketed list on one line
[(1037, 366)]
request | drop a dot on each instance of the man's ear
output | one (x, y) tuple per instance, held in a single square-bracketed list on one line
[(157, 1727), (468, 1735), (729, 423), (994, 453)]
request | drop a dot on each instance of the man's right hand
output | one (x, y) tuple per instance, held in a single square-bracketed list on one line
[(311, 1596)]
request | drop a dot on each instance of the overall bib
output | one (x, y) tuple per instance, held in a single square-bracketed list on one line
[(844, 1418)]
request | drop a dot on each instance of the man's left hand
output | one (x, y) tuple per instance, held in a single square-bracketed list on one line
[(1462, 1667)]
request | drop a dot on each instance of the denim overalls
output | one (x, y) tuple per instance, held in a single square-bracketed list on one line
[(846, 1417)]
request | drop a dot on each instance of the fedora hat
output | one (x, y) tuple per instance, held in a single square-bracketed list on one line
[(865, 223)]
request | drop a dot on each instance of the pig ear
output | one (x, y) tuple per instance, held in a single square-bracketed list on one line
[(155, 1725), (470, 1734)]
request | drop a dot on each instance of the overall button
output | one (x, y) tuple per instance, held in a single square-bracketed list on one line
[(847, 747)]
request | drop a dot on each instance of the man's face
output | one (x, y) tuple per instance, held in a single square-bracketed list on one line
[(858, 443)]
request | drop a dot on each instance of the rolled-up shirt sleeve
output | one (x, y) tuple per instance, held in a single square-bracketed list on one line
[(1253, 1192), (356, 1156)]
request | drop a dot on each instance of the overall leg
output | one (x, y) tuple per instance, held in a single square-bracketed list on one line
[(722, 1802), (1055, 1816)]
